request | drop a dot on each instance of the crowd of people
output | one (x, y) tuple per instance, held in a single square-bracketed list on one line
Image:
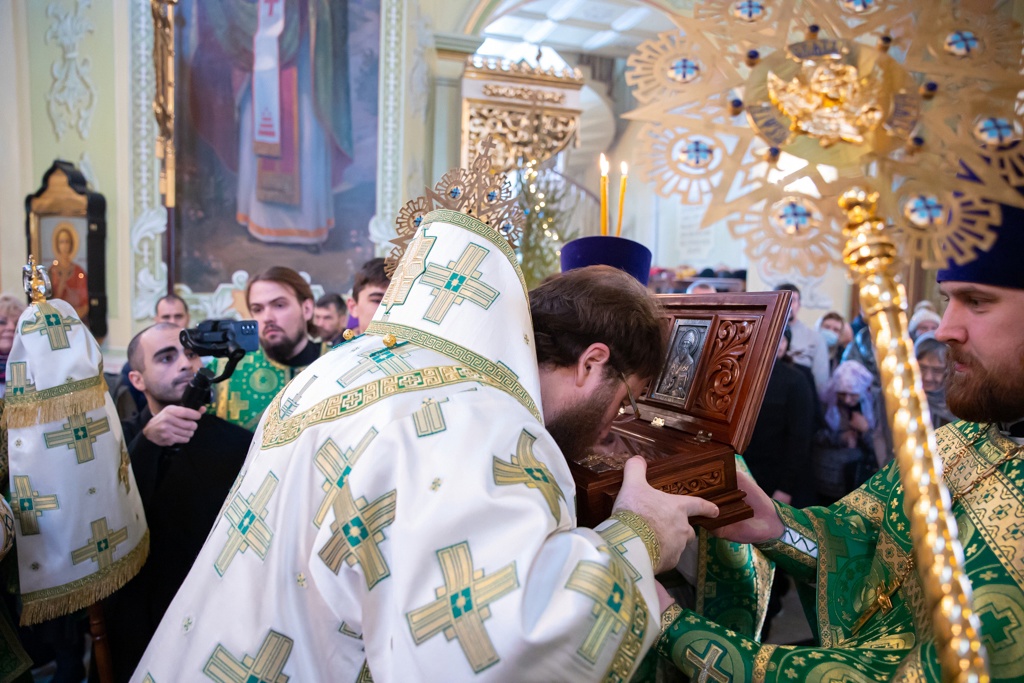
[(821, 428), (821, 434), (185, 460)]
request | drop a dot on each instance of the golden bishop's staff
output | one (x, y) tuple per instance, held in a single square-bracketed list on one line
[(871, 255)]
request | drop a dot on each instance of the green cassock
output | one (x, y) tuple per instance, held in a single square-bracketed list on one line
[(242, 399), (844, 557)]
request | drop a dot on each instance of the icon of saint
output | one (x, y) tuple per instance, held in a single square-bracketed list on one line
[(67, 277)]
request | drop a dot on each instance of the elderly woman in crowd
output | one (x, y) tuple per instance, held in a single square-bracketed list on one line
[(931, 357), (11, 308), (923, 321), (851, 447)]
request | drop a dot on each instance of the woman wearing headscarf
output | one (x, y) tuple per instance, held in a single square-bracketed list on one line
[(847, 452), (922, 322), (931, 357)]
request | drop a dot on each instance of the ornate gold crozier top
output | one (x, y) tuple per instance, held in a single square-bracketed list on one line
[(35, 281), (475, 191)]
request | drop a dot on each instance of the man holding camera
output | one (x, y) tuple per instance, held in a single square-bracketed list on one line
[(407, 508), (184, 463), (281, 301)]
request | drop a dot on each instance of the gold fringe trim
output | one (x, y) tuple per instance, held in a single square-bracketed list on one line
[(55, 404), (51, 603)]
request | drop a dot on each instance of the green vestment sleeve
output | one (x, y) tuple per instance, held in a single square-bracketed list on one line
[(843, 557)]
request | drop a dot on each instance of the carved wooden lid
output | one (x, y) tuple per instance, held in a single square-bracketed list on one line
[(721, 350)]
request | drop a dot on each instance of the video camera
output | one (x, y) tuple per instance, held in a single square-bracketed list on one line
[(230, 339)]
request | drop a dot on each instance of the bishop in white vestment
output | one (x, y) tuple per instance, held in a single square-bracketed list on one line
[(403, 510)]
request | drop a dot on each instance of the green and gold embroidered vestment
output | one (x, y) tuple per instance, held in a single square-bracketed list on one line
[(242, 399), (844, 556)]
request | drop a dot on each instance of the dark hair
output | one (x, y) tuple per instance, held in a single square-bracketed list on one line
[(598, 304), (371, 274), (334, 300), (832, 315), (170, 297), (136, 361), (788, 287), (282, 276), (288, 278)]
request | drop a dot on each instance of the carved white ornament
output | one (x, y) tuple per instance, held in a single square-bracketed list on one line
[(72, 95), (390, 138), (88, 170), (147, 236), (419, 74)]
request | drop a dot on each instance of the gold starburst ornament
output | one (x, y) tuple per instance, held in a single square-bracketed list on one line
[(475, 191)]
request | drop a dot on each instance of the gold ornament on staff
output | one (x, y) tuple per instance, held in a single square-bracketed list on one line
[(738, 118), (741, 120), (871, 256), (36, 281)]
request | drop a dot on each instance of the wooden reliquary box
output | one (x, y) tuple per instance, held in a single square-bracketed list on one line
[(701, 408)]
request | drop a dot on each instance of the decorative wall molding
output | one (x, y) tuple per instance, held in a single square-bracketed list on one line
[(419, 73), (149, 218), (390, 137), (147, 238), (72, 95), (148, 215), (88, 170)]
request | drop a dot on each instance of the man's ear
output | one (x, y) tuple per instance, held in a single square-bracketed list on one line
[(350, 303), (135, 377), (590, 367), (307, 309)]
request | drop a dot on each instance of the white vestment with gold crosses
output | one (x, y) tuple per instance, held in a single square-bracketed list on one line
[(404, 513)]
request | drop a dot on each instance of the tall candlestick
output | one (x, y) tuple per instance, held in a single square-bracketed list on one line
[(604, 195), (622, 196)]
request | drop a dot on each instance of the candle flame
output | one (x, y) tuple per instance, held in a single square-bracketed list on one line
[(624, 168), (604, 165)]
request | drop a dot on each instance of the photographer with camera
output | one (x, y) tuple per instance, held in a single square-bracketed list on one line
[(281, 301), (185, 462)]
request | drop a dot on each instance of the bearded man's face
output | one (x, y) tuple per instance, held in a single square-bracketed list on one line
[(578, 427), (984, 329)]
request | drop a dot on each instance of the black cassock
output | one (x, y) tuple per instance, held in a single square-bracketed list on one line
[(182, 491)]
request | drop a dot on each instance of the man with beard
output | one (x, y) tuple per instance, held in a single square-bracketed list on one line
[(184, 463), (281, 301), (329, 318), (853, 561), (409, 511)]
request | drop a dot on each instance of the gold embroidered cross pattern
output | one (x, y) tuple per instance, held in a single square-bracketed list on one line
[(101, 546), (462, 605), (266, 667), (526, 469), (247, 526), (29, 505), (78, 434), (336, 465)]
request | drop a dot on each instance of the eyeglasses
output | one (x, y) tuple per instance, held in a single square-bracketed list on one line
[(632, 401)]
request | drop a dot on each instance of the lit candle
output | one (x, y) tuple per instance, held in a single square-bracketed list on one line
[(622, 196), (604, 195)]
